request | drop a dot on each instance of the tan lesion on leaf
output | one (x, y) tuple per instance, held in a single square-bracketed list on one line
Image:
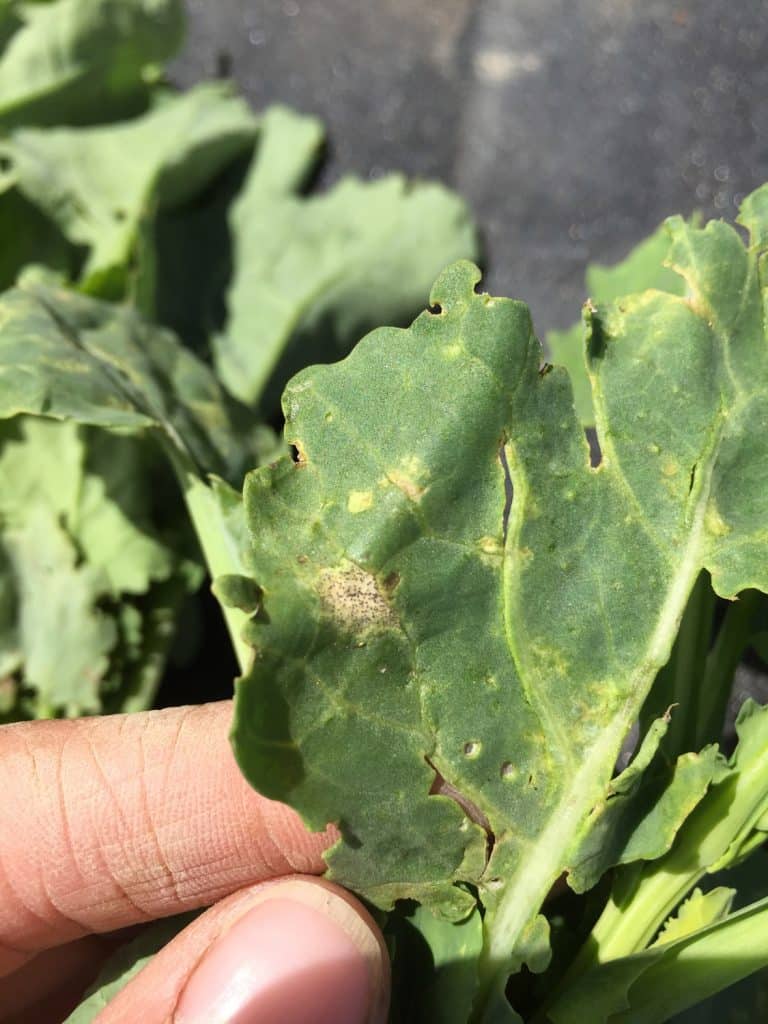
[(354, 599), (409, 476)]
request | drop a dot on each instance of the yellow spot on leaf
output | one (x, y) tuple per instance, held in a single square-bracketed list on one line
[(670, 467), (715, 523), (359, 501)]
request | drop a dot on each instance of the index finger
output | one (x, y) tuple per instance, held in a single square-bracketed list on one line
[(108, 822)]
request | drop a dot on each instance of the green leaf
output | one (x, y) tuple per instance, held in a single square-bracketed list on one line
[(435, 966), (639, 819), (89, 586), (78, 61), (59, 599), (422, 623), (35, 238), (98, 184), (312, 274), (724, 828), (644, 268), (698, 911), (69, 357), (652, 986), (125, 964)]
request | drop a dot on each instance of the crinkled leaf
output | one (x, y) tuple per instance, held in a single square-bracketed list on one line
[(698, 911), (639, 817), (97, 184), (92, 483), (312, 274), (420, 623), (652, 986), (59, 598), (722, 830), (84, 540), (79, 61), (643, 268), (70, 357), (125, 964)]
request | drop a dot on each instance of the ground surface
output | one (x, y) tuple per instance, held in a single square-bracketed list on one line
[(572, 126)]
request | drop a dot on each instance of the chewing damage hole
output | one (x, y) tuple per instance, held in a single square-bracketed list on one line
[(435, 309), (509, 490), (692, 479), (440, 787), (595, 454), (297, 453)]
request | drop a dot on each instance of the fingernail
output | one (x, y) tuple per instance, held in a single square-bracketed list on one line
[(297, 961)]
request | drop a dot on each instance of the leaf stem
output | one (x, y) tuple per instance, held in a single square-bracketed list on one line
[(221, 554)]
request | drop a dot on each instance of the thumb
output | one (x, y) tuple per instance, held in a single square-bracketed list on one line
[(299, 950)]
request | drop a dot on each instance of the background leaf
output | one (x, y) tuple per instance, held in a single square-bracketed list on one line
[(312, 274), (80, 61)]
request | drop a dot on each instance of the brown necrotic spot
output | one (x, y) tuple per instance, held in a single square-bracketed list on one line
[(354, 599)]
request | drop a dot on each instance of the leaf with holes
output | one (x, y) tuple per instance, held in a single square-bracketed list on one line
[(642, 269), (460, 617), (314, 273)]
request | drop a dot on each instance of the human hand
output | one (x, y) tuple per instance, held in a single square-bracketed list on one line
[(106, 823)]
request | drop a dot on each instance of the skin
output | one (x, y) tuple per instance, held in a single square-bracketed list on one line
[(107, 824)]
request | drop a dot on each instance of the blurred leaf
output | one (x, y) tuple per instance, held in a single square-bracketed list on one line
[(313, 274), (97, 184), (81, 61), (125, 964)]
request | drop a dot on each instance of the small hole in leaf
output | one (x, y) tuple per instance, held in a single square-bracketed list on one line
[(508, 770), (595, 452), (6, 164), (435, 309), (328, 417), (692, 479), (472, 748), (297, 454)]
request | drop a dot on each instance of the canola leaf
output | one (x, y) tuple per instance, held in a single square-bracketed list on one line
[(96, 488), (433, 603), (66, 356), (642, 269), (59, 598), (653, 985), (36, 239), (312, 274), (698, 911), (435, 965), (641, 822), (88, 481), (125, 964), (79, 61), (97, 184)]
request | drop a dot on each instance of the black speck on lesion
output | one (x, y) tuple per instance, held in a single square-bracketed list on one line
[(354, 599)]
